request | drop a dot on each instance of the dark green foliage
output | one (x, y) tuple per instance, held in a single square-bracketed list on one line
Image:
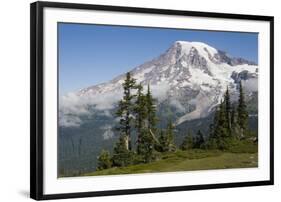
[(163, 142), (151, 111), (229, 124), (145, 113), (146, 146), (104, 160), (198, 140), (220, 131), (233, 116), (227, 105), (140, 112), (121, 155), (166, 139), (187, 142), (242, 119), (137, 113), (235, 130)]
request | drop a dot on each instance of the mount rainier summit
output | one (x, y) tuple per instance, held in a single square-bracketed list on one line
[(189, 77)]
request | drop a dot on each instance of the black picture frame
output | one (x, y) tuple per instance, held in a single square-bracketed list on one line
[(36, 99)]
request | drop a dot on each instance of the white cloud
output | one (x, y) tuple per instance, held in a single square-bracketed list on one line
[(251, 85), (71, 106), (160, 90), (108, 132), (178, 105), (69, 121)]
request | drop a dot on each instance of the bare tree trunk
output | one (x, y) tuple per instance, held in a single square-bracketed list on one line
[(126, 139)]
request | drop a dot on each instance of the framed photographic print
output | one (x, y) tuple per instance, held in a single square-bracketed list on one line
[(136, 100)]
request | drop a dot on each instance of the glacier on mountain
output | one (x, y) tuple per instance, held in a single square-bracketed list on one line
[(190, 76)]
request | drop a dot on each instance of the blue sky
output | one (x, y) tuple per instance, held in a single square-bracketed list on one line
[(92, 54)]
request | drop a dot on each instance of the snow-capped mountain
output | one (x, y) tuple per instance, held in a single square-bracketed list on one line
[(190, 77)]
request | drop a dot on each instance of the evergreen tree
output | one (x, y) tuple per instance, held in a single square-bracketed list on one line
[(166, 139), (125, 110), (104, 160), (121, 155), (214, 125), (222, 129), (227, 110), (199, 140), (151, 111), (242, 118), (140, 112), (163, 142), (233, 116), (187, 142), (146, 146), (220, 133), (145, 113), (234, 125)]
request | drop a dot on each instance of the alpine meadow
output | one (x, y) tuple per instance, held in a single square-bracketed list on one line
[(145, 100)]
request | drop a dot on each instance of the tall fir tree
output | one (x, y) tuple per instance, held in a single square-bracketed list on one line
[(233, 116), (227, 110), (140, 112), (242, 118), (151, 111), (234, 125), (145, 113), (213, 126), (221, 132), (125, 111)]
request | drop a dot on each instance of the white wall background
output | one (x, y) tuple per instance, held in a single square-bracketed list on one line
[(14, 101)]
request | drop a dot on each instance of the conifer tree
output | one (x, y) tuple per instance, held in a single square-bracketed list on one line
[(125, 110), (214, 124), (104, 160), (234, 126), (121, 155), (163, 141), (145, 123), (220, 132), (199, 140), (187, 142), (227, 110), (166, 139), (222, 122), (233, 116), (140, 112), (242, 118), (151, 111), (146, 146)]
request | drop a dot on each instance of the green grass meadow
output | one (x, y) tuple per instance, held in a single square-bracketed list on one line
[(188, 161)]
